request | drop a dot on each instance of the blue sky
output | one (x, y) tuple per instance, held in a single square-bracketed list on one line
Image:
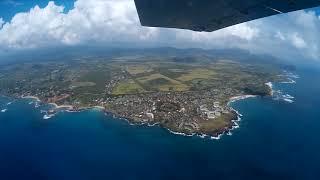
[(39, 24)]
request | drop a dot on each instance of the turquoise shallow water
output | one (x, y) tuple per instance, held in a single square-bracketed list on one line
[(276, 140)]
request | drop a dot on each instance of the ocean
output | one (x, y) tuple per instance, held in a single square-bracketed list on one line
[(278, 138)]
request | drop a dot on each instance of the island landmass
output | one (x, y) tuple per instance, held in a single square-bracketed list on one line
[(186, 94)]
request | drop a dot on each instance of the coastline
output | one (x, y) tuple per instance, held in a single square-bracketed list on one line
[(239, 115), (218, 135), (228, 130), (68, 107)]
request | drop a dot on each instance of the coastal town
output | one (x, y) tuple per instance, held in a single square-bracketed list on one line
[(187, 98)]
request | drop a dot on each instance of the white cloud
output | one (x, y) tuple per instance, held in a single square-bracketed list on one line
[(99, 20), (297, 41), (116, 21), (104, 21), (36, 28), (243, 33), (280, 36)]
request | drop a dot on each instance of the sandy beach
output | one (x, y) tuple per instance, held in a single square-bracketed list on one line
[(31, 97), (99, 107), (237, 98), (62, 106)]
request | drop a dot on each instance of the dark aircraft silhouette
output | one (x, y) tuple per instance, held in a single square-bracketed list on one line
[(211, 15)]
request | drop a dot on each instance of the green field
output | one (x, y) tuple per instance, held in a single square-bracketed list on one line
[(127, 87), (98, 77), (197, 73), (138, 69), (162, 83), (82, 84)]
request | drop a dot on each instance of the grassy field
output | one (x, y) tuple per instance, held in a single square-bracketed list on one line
[(82, 84), (138, 69), (162, 83), (98, 77), (127, 87), (215, 124), (197, 73)]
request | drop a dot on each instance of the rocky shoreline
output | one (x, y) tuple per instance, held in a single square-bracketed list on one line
[(233, 121), (230, 120)]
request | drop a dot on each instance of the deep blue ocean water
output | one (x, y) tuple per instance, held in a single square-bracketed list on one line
[(276, 140)]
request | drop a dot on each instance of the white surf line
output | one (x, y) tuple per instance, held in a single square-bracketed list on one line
[(202, 136), (46, 116), (180, 133), (288, 96), (270, 85), (216, 137), (290, 81), (288, 100), (279, 95), (5, 109)]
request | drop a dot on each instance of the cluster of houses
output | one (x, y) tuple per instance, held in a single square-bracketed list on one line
[(216, 112)]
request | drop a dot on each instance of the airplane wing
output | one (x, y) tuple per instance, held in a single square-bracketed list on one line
[(211, 15)]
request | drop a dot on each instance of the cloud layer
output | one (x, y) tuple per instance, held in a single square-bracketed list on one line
[(109, 22)]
